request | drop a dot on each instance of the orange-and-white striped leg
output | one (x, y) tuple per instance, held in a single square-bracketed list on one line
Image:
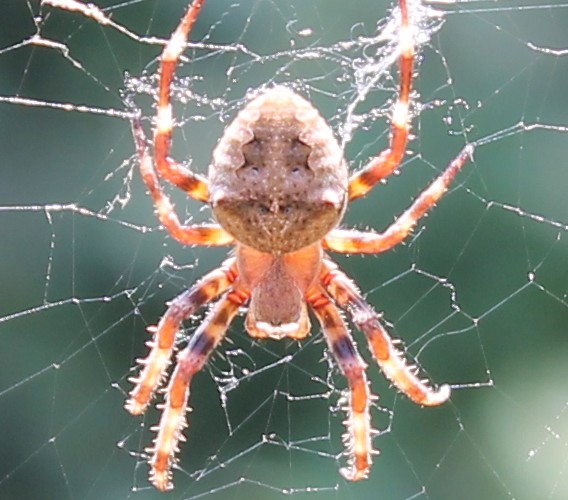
[(359, 432), (352, 241), (189, 362), (161, 346), (389, 358), (195, 185), (387, 161), (206, 234)]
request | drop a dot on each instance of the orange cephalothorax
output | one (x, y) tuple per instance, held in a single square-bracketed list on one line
[(279, 283)]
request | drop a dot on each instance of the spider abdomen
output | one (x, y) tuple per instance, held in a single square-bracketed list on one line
[(278, 179)]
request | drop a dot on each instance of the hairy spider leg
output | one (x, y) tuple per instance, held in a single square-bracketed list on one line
[(352, 241), (358, 437), (391, 361), (211, 286), (388, 160), (206, 234), (193, 184), (189, 362)]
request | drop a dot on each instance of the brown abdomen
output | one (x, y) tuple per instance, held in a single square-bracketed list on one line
[(278, 180)]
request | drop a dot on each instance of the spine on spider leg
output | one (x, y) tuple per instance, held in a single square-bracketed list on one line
[(189, 361), (170, 430), (391, 361), (162, 344), (357, 439)]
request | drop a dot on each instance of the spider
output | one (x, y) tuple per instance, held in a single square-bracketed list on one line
[(278, 186)]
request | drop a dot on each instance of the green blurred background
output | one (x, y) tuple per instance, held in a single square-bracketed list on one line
[(479, 293)]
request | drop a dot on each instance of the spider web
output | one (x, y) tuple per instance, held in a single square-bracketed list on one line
[(479, 293)]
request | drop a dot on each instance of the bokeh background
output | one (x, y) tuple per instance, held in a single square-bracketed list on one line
[(479, 292)]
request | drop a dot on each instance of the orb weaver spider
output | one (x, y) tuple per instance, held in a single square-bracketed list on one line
[(278, 186)]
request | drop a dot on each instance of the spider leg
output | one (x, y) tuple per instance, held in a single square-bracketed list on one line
[(352, 241), (189, 362), (208, 288), (340, 343), (387, 161), (193, 184), (389, 358), (206, 234)]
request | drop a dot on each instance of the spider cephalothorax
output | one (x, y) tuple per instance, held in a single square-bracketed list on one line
[(278, 186)]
